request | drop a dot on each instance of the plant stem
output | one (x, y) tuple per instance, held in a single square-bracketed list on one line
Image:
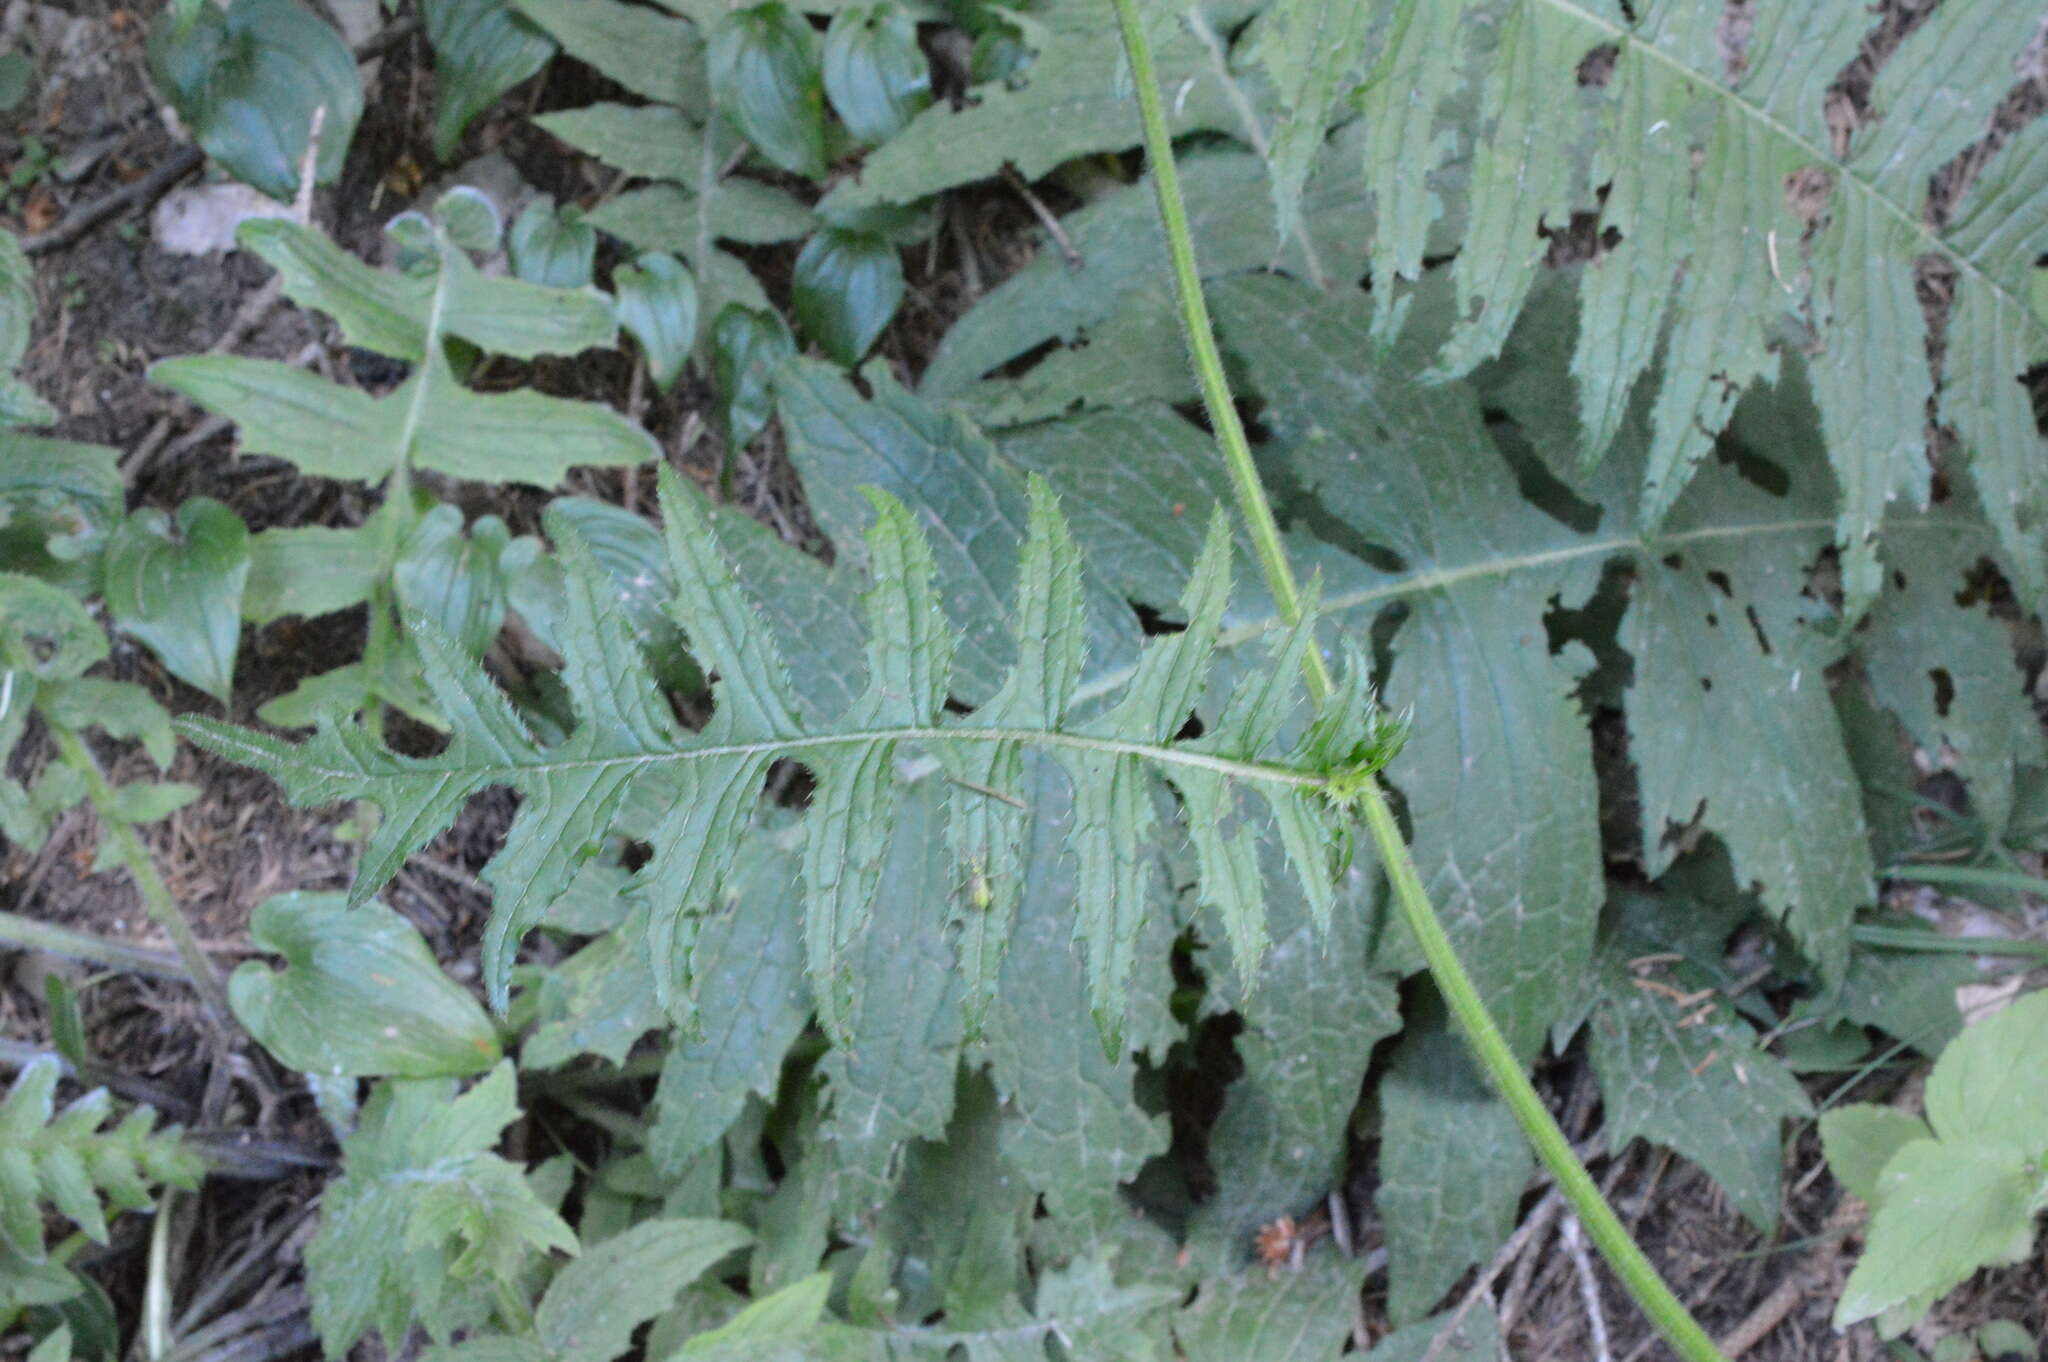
[(1907, 939), (1194, 308), (1488, 1045), (157, 900), (24, 933)]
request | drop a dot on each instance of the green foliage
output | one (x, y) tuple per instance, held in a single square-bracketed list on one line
[(1957, 1192), (425, 1224), (847, 286), (411, 556), (1067, 831), (765, 76), (181, 592), (894, 736), (1741, 212), (874, 73), (47, 642), (361, 994), (555, 248), (18, 405), (658, 308), (482, 48), (247, 78), (72, 1161)]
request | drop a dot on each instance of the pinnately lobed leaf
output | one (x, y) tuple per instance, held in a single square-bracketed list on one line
[(865, 762)]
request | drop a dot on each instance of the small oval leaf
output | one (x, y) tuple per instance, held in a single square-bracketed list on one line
[(247, 80), (482, 48), (551, 246), (361, 995), (846, 288), (876, 75), (746, 345), (765, 75), (658, 306), (182, 594)]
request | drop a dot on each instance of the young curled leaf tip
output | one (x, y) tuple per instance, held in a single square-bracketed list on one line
[(1385, 734)]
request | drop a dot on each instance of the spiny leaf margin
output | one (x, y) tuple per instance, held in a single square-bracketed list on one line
[(709, 781)]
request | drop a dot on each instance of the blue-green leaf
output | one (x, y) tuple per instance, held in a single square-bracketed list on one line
[(847, 287), (747, 345), (247, 79), (360, 996), (765, 76), (181, 593), (657, 303), (550, 246), (875, 73), (482, 48)]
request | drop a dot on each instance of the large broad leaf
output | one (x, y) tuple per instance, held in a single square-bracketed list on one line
[(1310, 50), (181, 592), (864, 762), (1949, 673), (750, 963), (1302, 1316), (1311, 1019), (482, 48), (947, 471), (1740, 208), (1452, 1165), (247, 80), (1946, 1208), (1987, 1082), (646, 51), (1678, 1064), (361, 995), (1411, 471), (590, 1311)]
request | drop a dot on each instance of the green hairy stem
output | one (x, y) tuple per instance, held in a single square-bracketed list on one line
[(1665, 1310)]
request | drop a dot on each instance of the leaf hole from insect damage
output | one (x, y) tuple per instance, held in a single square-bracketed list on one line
[(2035, 380), (1597, 66), (1152, 624), (1898, 580), (1706, 684), (1190, 730), (1944, 690), (1542, 488), (633, 854), (1763, 640), (1720, 580), (1713, 620), (789, 783), (1674, 562)]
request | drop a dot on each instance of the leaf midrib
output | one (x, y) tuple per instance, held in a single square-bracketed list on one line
[(1438, 579), (1254, 772), (1931, 240)]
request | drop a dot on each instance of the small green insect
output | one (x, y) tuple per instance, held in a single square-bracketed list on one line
[(979, 894)]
